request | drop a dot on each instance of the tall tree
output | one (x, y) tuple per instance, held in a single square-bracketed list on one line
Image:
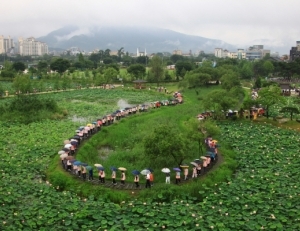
[(60, 65), (19, 66), (157, 69), (137, 70), (269, 96), (230, 80), (166, 144)]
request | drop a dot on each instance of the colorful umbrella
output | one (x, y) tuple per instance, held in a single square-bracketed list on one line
[(166, 170), (101, 168), (177, 169)]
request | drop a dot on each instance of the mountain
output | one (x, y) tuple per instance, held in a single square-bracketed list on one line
[(131, 38)]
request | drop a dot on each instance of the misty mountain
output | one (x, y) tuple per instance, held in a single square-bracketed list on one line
[(113, 38)]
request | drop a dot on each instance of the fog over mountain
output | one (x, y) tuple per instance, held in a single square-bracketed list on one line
[(131, 38)]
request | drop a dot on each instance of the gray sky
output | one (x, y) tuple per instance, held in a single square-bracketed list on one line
[(238, 22)]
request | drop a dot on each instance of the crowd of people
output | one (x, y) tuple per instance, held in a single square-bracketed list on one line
[(86, 172)]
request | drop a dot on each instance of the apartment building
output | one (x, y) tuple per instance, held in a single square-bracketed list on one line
[(32, 47), (295, 51), (252, 53), (6, 44)]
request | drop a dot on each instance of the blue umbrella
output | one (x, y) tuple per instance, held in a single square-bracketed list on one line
[(177, 169), (84, 164), (89, 168), (94, 123), (112, 168), (135, 172), (77, 163), (81, 127), (101, 168), (74, 142)]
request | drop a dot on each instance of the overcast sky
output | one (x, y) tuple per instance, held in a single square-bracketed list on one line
[(238, 22)]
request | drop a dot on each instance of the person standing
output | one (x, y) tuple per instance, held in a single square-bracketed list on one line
[(79, 170), (168, 176), (148, 185), (136, 181), (123, 177), (151, 178), (84, 173), (177, 177), (194, 175), (113, 176), (186, 173), (102, 176), (91, 174)]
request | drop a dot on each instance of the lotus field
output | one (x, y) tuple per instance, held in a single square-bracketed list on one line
[(263, 193)]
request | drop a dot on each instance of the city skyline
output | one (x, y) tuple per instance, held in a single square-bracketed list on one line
[(240, 23)]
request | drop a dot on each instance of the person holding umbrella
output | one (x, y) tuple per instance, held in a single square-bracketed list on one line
[(102, 176), (113, 176), (148, 185), (194, 175), (168, 176), (123, 177), (136, 180), (177, 176), (91, 174), (83, 173)]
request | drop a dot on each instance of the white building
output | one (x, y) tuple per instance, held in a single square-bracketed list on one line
[(140, 53), (219, 52), (6, 44), (32, 47)]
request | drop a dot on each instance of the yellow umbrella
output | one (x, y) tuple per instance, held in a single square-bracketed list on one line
[(89, 125), (184, 166), (122, 169), (203, 157), (214, 141), (98, 165)]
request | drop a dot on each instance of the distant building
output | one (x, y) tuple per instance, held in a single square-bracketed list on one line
[(32, 47), (177, 52), (140, 53), (6, 44), (254, 52), (295, 51)]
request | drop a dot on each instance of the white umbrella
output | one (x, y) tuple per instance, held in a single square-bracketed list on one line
[(195, 164), (68, 145), (145, 172), (98, 165), (63, 156), (122, 169), (203, 158), (166, 170), (61, 152)]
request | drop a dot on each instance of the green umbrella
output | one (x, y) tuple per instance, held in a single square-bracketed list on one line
[(89, 168)]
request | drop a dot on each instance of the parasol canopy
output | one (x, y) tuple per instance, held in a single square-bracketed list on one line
[(194, 163), (166, 170), (203, 157), (145, 172), (89, 168), (66, 141), (63, 156), (101, 168), (61, 152), (122, 169), (98, 165), (177, 169), (135, 172)]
